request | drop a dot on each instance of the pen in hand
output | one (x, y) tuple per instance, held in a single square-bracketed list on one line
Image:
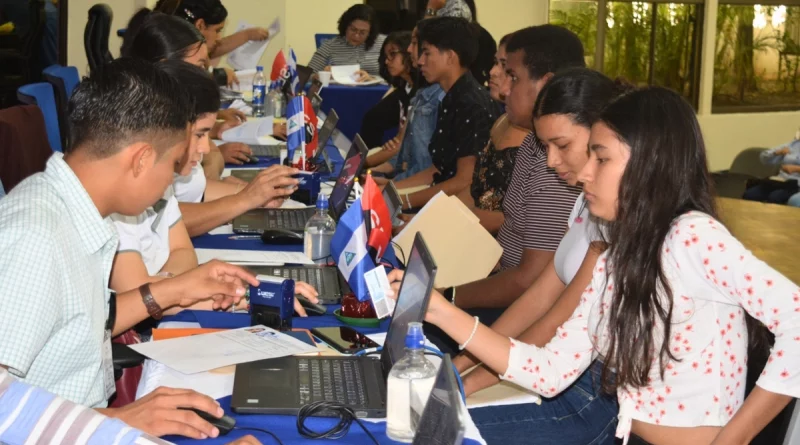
[(238, 237)]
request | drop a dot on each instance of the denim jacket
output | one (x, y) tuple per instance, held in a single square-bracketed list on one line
[(414, 151), (770, 157)]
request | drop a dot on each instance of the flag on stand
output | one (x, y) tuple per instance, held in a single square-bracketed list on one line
[(301, 131), (376, 212), (349, 249), (293, 77)]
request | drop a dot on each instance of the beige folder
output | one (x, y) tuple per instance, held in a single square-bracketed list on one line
[(463, 250)]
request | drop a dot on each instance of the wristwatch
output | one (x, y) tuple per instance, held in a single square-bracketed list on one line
[(430, 12), (450, 294), (153, 308)]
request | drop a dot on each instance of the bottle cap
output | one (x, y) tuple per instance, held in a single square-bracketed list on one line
[(259, 68), (415, 339), (322, 201)]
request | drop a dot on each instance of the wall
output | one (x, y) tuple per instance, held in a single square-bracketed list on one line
[(304, 18), (500, 17)]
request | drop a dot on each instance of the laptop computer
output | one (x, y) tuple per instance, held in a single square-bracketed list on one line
[(320, 157), (259, 220), (442, 421), (284, 385), (393, 202)]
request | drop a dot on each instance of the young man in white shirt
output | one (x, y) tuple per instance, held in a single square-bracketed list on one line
[(57, 245)]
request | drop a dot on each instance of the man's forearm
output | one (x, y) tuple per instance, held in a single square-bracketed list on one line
[(213, 164), (450, 187), (202, 217), (180, 261), (229, 43), (131, 309), (379, 158), (490, 220), (496, 291)]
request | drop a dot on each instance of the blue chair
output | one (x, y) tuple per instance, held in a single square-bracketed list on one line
[(121, 32), (322, 38), (41, 95), (64, 79)]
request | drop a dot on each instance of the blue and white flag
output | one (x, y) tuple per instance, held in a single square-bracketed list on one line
[(294, 78), (295, 127), (349, 249)]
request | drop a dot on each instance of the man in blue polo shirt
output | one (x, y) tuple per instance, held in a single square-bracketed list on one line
[(130, 127)]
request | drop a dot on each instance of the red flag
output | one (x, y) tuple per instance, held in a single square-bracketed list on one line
[(310, 134), (280, 69), (380, 222)]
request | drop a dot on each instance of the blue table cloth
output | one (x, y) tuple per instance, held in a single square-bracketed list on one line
[(282, 426), (351, 104)]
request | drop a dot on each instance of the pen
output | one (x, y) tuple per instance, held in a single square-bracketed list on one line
[(237, 237)]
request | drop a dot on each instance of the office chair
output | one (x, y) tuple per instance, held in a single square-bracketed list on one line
[(19, 55), (322, 38), (96, 34), (746, 167), (24, 149), (64, 79), (42, 95)]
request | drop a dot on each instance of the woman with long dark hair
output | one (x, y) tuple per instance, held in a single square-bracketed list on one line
[(670, 303), (358, 43)]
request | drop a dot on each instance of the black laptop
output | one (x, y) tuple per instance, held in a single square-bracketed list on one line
[(284, 385), (321, 158), (393, 202), (442, 420), (258, 220)]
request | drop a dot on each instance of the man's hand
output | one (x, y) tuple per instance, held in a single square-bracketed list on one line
[(235, 152), (157, 413), (234, 180), (232, 79), (307, 291), (275, 182), (279, 130), (246, 440), (790, 168), (257, 34), (783, 151), (232, 116), (221, 282)]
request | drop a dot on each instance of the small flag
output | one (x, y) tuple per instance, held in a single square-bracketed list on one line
[(380, 222), (349, 249), (295, 127)]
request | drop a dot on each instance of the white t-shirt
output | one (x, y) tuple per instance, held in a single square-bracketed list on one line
[(148, 233), (192, 187), (573, 247)]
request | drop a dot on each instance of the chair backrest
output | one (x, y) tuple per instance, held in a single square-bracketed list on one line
[(23, 145), (748, 162), (322, 38), (42, 95), (96, 34), (64, 79)]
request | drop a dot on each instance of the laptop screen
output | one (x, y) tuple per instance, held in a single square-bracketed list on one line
[(442, 421), (412, 301), (392, 199), (331, 120), (353, 164)]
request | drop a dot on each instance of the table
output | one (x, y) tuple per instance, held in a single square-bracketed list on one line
[(351, 104), (768, 230)]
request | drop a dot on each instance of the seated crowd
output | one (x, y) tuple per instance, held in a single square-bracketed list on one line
[(620, 298)]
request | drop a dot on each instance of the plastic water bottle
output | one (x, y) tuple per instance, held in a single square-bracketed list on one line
[(319, 232), (409, 384), (259, 92), (276, 103)]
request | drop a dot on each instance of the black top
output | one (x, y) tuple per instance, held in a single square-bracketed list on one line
[(492, 176), (465, 119)]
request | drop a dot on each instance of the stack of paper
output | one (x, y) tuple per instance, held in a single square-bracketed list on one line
[(463, 250), (346, 75), (251, 257), (253, 132)]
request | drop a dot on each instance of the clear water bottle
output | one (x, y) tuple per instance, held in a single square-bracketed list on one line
[(319, 232), (276, 102), (259, 92), (409, 384)]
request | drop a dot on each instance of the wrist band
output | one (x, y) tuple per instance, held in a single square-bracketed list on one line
[(474, 329), (450, 294), (153, 308)]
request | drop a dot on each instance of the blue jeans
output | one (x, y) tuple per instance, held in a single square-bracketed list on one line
[(581, 415), (765, 193)]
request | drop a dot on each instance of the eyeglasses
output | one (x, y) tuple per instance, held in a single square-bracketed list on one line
[(358, 32), (393, 54)]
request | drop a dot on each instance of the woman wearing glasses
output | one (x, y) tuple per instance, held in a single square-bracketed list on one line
[(358, 43)]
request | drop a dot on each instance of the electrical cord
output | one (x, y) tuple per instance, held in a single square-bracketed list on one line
[(345, 414), (270, 433)]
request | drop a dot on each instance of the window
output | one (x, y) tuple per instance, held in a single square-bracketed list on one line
[(756, 57), (646, 43)]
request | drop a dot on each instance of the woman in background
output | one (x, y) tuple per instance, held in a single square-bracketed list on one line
[(358, 43)]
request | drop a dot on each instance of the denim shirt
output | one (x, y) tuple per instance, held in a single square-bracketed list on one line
[(414, 151), (793, 157)]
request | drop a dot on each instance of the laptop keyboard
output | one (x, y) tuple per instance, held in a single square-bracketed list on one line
[(324, 280), (287, 219), (331, 381)]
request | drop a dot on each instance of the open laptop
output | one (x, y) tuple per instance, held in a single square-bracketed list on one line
[(259, 220), (284, 385), (393, 202), (442, 422), (320, 157)]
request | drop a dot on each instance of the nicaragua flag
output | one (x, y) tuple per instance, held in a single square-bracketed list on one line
[(293, 77), (295, 126), (349, 249)]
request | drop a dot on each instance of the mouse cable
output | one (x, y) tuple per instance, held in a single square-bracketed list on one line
[(270, 433), (345, 414)]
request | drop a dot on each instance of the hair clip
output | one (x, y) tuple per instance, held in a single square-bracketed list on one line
[(189, 14)]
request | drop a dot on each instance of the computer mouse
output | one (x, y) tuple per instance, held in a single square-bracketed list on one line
[(281, 237), (224, 424), (311, 308), (252, 160)]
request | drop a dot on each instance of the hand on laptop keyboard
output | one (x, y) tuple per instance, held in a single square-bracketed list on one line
[(307, 291), (273, 183)]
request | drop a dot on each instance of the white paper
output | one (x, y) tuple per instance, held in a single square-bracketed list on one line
[(254, 132), (198, 353), (249, 54), (251, 257), (245, 80), (225, 229), (242, 106), (345, 74)]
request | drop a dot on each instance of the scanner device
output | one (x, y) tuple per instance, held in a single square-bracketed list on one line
[(272, 303)]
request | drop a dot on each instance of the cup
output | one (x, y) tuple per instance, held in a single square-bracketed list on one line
[(324, 77)]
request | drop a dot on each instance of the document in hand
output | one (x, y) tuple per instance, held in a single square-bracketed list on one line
[(248, 55), (199, 353), (463, 249), (253, 132), (345, 75)]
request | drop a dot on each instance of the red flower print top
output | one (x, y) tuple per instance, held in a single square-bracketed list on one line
[(714, 280)]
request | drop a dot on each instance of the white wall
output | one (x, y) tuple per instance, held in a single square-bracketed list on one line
[(304, 18)]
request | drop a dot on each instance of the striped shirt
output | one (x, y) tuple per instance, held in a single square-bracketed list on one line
[(337, 51), (31, 415), (536, 207)]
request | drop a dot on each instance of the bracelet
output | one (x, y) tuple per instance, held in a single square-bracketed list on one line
[(474, 330), (430, 12), (150, 303)]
